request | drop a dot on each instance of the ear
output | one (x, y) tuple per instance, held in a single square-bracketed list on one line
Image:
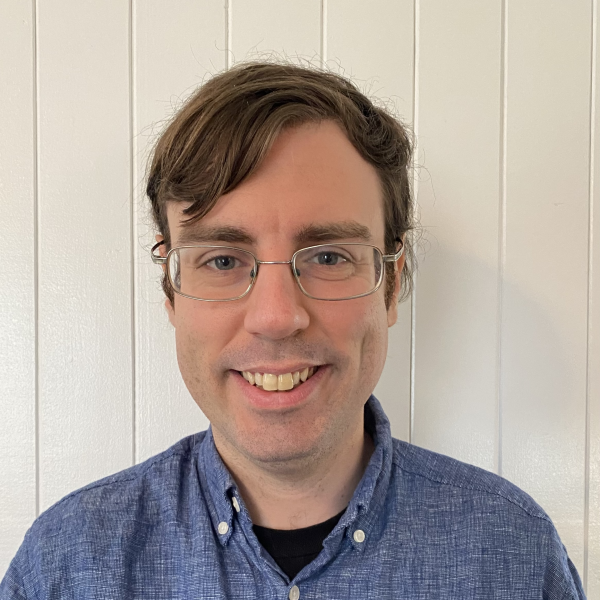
[(161, 249), (392, 311)]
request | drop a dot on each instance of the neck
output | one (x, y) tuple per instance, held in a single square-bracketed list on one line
[(297, 496)]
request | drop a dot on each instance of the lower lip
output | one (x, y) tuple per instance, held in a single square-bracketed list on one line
[(259, 398)]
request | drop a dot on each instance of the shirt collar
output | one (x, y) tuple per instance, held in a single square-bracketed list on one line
[(366, 504), (364, 508)]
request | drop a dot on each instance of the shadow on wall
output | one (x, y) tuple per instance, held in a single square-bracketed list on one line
[(457, 369), (540, 379)]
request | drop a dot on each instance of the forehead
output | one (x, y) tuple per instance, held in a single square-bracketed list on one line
[(311, 181)]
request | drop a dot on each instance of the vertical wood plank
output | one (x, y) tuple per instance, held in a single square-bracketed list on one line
[(17, 294), (593, 484), (176, 46), (280, 28), (593, 364), (383, 70), (545, 291), (457, 307), (84, 263)]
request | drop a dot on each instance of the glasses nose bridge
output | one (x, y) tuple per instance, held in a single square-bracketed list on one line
[(277, 262), (274, 262)]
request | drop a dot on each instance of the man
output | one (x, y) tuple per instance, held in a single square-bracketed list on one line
[(282, 200)]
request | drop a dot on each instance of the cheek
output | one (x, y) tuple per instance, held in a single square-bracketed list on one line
[(361, 331), (205, 322), (375, 341), (200, 334), (192, 357)]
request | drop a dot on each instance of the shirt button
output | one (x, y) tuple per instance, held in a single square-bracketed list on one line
[(236, 504), (223, 528), (359, 536), (294, 593)]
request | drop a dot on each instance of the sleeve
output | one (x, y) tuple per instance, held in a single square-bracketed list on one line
[(561, 579), (12, 586)]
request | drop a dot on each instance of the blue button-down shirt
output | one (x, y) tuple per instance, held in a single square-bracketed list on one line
[(169, 528)]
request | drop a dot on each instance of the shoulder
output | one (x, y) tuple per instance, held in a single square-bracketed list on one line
[(445, 477), (484, 518), (142, 492), (139, 508)]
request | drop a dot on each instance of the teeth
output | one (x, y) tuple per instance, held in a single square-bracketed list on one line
[(269, 382), (284, 382)]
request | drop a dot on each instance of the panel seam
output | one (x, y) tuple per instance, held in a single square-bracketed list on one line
[(586, 500), (502, 218), (228, 33), (36, 253), (415, 185), (323, 33), (133, 237)]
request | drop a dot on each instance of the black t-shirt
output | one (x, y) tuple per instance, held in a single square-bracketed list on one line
[(293, 549)]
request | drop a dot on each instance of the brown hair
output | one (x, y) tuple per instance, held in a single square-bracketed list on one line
[(225, 129)]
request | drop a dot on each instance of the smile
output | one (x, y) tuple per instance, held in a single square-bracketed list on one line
[(282, 383)]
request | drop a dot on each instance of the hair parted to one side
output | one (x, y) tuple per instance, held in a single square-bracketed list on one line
[(226, 128)]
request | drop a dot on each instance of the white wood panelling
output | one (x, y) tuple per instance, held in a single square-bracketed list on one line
[(17, 292), (85, 274), (506, 350), (545, 290), (592, 570), (457, 309), (593, 484), (163, 78), (277, 28), (385, 70)]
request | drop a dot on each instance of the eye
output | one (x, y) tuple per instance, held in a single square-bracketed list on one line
[(222, 263), (329, 258)]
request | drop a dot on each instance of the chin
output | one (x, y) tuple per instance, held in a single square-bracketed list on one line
[(267, 446)]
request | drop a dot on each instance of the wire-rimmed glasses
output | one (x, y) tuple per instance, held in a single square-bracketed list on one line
[(323, 272)]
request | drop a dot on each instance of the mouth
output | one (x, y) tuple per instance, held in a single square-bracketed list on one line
[(284, 382)]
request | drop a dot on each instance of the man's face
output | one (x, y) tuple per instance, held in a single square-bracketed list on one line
[(312, 179)]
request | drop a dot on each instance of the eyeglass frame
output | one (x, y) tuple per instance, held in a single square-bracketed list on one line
[(163, 260)]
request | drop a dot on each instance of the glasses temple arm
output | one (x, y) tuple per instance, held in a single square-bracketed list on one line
[(157, 259), (394, 257)]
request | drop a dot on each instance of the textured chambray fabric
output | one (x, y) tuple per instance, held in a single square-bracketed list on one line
[(433, 528)]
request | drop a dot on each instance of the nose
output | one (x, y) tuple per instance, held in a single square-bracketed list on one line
[(275, 308)]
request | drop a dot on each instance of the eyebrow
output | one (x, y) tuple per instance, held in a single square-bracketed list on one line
[(309, 234), (202, 233), (329, 232)]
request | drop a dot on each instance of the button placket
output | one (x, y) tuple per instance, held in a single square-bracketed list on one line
[(223, 528), (359, 536)]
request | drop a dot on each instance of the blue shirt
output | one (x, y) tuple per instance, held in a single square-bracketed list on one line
[(420, 525)]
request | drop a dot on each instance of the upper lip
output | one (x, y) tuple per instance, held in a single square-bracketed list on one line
[(279, 370)]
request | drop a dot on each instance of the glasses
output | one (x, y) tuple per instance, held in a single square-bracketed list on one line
[(323, 272)]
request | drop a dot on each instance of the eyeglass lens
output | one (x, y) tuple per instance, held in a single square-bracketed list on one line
[(326, 272)]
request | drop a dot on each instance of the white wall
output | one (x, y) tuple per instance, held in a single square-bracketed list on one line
[(495, 359)]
